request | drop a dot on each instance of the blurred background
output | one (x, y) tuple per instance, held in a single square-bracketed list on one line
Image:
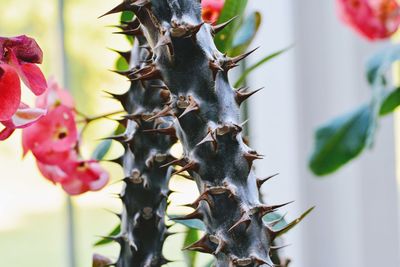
[(356, 222)]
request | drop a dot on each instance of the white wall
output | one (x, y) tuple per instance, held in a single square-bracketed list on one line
[(355, 223)]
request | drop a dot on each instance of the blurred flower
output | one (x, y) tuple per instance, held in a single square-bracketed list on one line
[(53, 137), (54, 142), (211, 9), (84, 176), (373, 19), (54, 96), (18, 56)]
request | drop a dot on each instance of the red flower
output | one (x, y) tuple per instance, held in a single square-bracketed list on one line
[(23, 117), (211, 9), (373, 19), (52, 138), (84, 176), (54, 96), (18, 56)]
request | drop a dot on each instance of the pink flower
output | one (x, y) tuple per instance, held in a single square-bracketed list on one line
[(52, 138), (54, 96), (23, 117), (373, 19), (83, 176), (211, 9), (18, 56)]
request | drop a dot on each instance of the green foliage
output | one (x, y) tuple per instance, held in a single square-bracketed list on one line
[(191, 224), (107, 240), (246, 33), (192, 235), (101, 150), (390, 102), (340, 141), (232, 8), (345, 137)]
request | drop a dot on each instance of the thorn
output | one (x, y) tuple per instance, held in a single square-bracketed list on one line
[(149, 72), (125, 73), (194, 215), (244, 219), (133, 32), (193, 106), (179, 162), (217, 28), (125, 54), (210, 137), (241, 97), (241, 57), (275, 248), (215, 67), (166, 111), (206, 197), (167, 131), (124, 6), (191, 166), (260, 182), (264, 209), (203, 245), (250, 157)]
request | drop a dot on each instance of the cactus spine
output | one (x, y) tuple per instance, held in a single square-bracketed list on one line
[(147, 145), (205, 112)]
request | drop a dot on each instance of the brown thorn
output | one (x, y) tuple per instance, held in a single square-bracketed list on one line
[(244, 219), (260, 182), (203, 245), (217, 28), (168, 131), (191, 166), (166, 111), (193, 106), (241, 97)]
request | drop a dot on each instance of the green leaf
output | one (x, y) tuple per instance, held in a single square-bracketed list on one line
[(127, 16), (232, 8), (121, 64), (193, 224), (258, 64), (292, 224), (390, 102), (341, 140), (105, 241), (192, 235), (382, 62), (275, 217), (245, 34), (101, 150)]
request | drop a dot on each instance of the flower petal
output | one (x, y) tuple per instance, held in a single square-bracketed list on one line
[(52, 172), (10, 92), (33, 77), (6, 133), (24, 117), (25, 48), (54, 96)]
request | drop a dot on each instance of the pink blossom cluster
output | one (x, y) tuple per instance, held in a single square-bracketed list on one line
[(373, 19)]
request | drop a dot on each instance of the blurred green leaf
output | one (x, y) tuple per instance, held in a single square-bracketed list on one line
[(232, 8), (390, 102), (105, 241), (127, 16), (192, 235), (291, 225), (276, 218), (381, 62), (121, 64), (341, 140), (246, 33), (258, 64), (101, 150), (193, 224)]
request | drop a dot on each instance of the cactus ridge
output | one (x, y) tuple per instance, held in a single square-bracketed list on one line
[(204, 109), (145, 191)]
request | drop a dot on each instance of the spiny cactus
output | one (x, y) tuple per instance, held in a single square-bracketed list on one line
[(147, 145), (205, 112)]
